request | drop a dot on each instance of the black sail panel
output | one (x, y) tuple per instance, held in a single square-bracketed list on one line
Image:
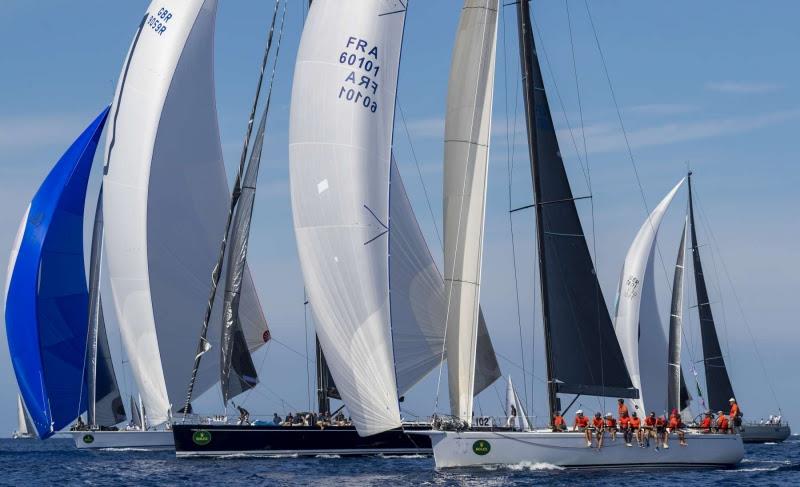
[(674, 374), (584, 356), (718, 383), (109, 408)]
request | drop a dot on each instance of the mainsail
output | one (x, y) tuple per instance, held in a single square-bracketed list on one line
[(165, 200), (46, 297), (341, 121), (24, 426), (104, 403), (674, 376), (466, 162), (718, 383), (583, 356), (637, 320), (520, 418)]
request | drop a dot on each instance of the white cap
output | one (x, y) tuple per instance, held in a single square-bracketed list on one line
[(579, 411), (731, 400), (609, 415)]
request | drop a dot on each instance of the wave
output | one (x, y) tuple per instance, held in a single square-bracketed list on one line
[(117, 449), (412, 455), (327, 455), (524, 466)]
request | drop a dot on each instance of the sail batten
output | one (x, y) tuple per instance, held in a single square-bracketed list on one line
[(583, 356), (466, 158)]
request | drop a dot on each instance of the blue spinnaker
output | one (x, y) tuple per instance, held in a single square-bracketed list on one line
[(47, 300)]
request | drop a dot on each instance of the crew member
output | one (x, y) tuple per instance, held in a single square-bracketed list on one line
[(598, 426), (649, 428), (661, 431), (582, 424), (706, 422), (611, 426), (625, 427), (735, 418), (511, 422), (622, 408), (636, 428), (722, 422), (558, 422), (675, 426)]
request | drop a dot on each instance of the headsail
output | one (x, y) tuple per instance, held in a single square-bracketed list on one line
[(24, 426), (583, 354), (718, 383), (674, 377), (512, 399), (346, 70), (466, 163), (46, 297), (165, 200), (104, 402), (637, 321)]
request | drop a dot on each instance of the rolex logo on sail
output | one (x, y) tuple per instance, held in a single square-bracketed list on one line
[(632, 286)]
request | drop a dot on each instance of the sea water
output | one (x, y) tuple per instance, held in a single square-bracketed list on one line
[(57, 462)]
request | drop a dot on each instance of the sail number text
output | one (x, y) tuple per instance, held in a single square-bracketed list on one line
[(359, 85), (158, 22)]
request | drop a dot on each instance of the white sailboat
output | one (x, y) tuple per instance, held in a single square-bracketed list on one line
[(572, 306), (165, 199), (25, 429)]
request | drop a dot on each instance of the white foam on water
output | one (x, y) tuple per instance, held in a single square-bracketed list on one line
[(125, 449), (325, 455), (414, 455), (754, 469), (770, 443), (533, 466)]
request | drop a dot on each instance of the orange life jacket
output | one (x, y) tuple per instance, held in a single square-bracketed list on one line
[(636, 422), (734, 410), (611, 423), (581, 421), (622, 409), (722, 422), (597, 422), (649, 421), (674, 422), (624, 422), (660, 422), (706, 423), (558, 420)]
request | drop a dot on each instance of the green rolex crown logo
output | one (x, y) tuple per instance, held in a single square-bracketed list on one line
[(201, 437), (481, 447), (88, 439)]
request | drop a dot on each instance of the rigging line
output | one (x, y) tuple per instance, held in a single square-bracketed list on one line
[(419, 173), (458, 233), (249, 391), (740, 308), (627, 140), (216, 271), (510, 171), (598, 291)]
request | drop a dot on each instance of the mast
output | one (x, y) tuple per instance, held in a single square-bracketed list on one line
[(572, 302), (718, 383), (675, 328)]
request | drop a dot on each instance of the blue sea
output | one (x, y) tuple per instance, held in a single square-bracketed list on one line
[(57, 462)]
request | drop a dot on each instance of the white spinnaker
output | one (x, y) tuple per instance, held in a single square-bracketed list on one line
[(341, 120), (521, 422), (165, 199), (637, 322), (466, 158)]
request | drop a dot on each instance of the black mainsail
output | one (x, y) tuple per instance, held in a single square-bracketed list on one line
[(718, 383), (104, 402), (677, 394), (583, 355)]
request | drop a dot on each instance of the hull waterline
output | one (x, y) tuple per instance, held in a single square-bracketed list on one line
[(148, 440), (476, 448)]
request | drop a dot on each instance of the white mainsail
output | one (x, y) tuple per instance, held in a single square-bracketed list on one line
[(520, 419), (23, 424), (637, 322), (341, 121), (466, 158), (165, 201)]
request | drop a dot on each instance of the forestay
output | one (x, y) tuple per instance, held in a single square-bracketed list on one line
[(165, 201), (466, 161), (637, 321), (341, 119)]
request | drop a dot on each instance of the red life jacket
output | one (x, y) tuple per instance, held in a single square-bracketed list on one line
[(581, 421), (649, 421), (624, 422), (597, 422), (706, 423), (611, 423), (636, 422)]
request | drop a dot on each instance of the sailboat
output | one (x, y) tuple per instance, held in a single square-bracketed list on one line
[(165, 198), (25, 429), (718, 382), (372, 347), (572, 303), (46, 300)]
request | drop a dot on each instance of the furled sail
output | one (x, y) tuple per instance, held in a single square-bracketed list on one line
[(418, 301), (104, 402), (583, 354), (46, 297), (718, 383), (466, 162), (637, 321), (136, 414), (341, 120), (674, 376), (520, 419), (165, 200)]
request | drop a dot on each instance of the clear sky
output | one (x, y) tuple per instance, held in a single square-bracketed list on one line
[(711, 84)]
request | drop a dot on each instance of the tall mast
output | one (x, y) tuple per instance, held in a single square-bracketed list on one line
[(718, 383), (94, 313), (531, 82)]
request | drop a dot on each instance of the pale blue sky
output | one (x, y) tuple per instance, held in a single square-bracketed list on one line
[(712, 83)]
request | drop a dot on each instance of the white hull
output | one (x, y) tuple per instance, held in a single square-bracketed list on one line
[(149, 440), (21, 436), (765, 433), (456, 449)]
